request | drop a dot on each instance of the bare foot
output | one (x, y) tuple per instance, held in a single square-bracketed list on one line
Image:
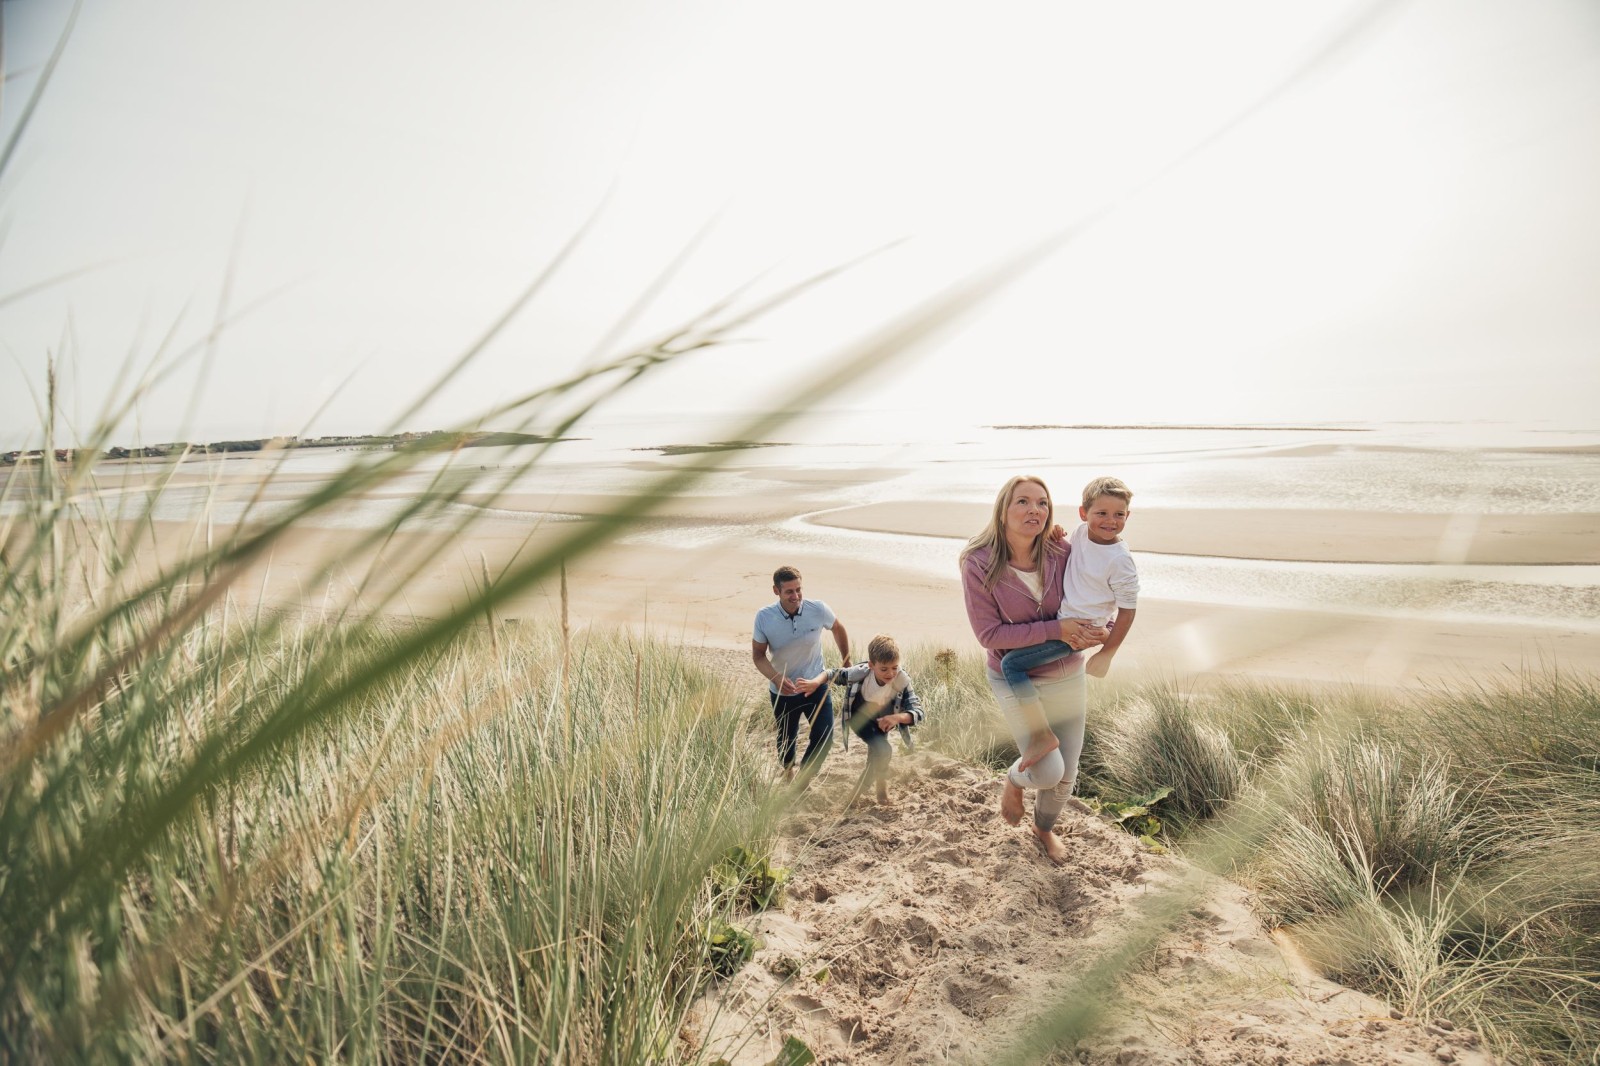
[(1011, 803), (1098, 666), (1050, 844), (788, 774), (883, 793), (1039, 745)]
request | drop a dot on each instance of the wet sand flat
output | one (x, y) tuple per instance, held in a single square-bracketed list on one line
[(1291, 535), (707, 594), (699, 566)]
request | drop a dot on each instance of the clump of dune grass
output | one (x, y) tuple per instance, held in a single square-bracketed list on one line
[(1431, 849), (961, 719), (1386, 821), (1530, 720), (1157, 738)]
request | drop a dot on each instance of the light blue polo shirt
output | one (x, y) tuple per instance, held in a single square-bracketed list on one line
[(795, 643)]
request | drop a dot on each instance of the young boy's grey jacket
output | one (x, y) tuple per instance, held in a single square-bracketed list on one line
[(853, 676)]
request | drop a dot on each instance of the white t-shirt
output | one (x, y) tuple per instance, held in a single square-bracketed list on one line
[(1031, 581), (1099, 579), (875, 697)]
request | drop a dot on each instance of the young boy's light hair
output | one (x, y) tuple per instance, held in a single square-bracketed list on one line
[(883, 649), (1107, 486)]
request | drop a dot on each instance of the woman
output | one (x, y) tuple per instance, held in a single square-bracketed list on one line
[(1011, 576)]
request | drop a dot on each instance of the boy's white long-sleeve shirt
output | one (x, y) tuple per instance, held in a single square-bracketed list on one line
[(1099, 579)]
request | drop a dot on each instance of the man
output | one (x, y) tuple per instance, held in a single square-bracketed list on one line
[(786, 646)]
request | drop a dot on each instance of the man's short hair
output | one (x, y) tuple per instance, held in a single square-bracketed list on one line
[(783, 574), (883, 649), (1107, 486)]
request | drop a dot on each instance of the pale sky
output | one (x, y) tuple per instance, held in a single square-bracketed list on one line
[(1410, 231)]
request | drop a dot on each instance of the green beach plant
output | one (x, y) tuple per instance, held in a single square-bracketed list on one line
[(962, 724), (750, 879), (1392, 820), (1160, 738)]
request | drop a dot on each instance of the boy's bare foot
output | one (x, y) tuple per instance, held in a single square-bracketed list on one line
[(788, 774), (883, 793), (1011, 803), (1050, 844), (1039, 745), (1098, 665)]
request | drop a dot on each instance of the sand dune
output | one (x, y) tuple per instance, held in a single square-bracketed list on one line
[(928, 931)]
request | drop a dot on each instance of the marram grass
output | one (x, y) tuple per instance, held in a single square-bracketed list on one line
[(459, 870)]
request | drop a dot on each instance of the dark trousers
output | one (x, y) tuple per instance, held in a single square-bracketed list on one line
[(788, 710)]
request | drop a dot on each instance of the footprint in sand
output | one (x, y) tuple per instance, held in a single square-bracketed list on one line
[(852, 1028), (978, 995), (806, 1004)]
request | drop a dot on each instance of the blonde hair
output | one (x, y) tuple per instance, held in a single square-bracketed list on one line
[(993, 536), (883, 649), (1106, 486)]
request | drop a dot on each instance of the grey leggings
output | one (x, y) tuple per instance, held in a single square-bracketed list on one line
[(1065, 702)]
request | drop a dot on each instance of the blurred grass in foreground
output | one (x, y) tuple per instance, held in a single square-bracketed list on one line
[(1439, 849), (443, 872)]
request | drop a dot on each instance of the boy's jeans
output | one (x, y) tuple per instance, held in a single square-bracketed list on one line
[(1015, 664)]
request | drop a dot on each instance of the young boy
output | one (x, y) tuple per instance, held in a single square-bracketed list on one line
[(878, 698), (1100, 582)]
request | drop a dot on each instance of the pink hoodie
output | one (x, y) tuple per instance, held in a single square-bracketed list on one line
[(1007, 616)]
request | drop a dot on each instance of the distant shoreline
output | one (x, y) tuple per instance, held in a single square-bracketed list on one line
[(714, 446), (1165, 425)]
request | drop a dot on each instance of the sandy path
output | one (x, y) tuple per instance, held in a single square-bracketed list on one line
[(929, 932)]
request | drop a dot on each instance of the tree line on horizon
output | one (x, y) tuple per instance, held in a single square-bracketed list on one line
[(182, 449)]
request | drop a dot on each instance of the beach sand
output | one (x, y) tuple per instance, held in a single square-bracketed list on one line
[(697, 569)]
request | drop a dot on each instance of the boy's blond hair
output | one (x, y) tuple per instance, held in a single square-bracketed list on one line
[(1107, 486), (883, 649)]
